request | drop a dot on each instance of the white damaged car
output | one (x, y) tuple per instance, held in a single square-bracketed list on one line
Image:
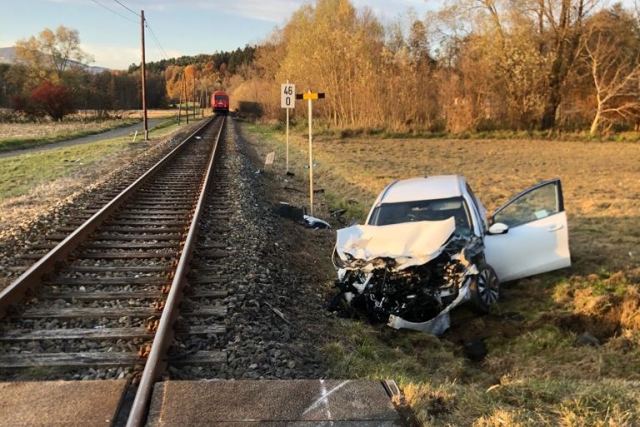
[(428, 246)]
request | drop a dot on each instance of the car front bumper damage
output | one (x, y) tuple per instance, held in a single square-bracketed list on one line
[(410, 275)]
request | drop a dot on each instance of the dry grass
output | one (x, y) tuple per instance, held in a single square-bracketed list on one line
[(40, 130), (19, 211), (76, 123), (151, 114), (536, 372)]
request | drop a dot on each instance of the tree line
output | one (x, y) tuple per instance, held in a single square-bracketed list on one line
[(473, 65), (50, 79)]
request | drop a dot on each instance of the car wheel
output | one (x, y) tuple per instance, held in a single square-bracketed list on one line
[(485, 289)]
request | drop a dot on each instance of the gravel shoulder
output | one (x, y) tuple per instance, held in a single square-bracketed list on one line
[(277, 324)]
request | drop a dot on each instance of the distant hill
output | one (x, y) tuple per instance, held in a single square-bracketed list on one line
[(8, 56)]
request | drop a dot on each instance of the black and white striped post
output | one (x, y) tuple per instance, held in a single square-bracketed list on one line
[(287, 101)]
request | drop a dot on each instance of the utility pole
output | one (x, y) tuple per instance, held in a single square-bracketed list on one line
[(180, 104), (186, 96), (144, 82), (195, 106)]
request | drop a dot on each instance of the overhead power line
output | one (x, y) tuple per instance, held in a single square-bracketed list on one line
[(156, 39), (146, 22), (114, 12), (135, 13)]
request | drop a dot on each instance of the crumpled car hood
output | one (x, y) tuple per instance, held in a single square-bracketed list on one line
[(409, 243)]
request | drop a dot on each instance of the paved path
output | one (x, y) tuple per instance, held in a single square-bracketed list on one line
[(114, 133)]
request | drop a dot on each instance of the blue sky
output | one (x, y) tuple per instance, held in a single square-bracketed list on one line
[(181, 27)]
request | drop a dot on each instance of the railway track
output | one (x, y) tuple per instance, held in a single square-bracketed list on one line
[(133, 302), (92, 306)]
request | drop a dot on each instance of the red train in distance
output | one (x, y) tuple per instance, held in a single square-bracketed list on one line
[(220, 102)]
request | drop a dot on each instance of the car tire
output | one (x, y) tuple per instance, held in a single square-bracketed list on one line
[(485, 289)]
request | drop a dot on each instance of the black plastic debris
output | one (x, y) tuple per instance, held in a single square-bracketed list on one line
[(286, 210), (587, 338), (292, 189), (338, 214), (475, 350)]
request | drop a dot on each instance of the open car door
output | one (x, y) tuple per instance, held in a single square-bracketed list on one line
[(536, 239)]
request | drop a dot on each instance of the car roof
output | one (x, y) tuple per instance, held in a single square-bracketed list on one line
[(426, 188)]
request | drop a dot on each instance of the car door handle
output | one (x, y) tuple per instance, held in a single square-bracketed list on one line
[(555, 227)]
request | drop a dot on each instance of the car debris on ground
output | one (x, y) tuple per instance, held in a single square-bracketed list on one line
[(286, 210)]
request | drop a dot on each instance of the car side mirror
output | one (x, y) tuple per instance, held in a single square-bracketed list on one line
[(498, 228)]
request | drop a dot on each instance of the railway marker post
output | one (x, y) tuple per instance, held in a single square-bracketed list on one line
[(287, 101), (310, 96)]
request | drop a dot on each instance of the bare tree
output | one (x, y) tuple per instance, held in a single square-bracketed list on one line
[(613, 62)]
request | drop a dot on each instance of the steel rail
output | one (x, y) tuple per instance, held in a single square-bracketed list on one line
[(155, 366), (33, 276)]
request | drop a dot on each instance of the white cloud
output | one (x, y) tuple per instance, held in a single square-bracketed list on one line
[(277, 11), (273, 11), (120, 58), (393, 9)]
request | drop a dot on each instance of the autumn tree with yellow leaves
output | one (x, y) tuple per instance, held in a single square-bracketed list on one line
[(471, 65)]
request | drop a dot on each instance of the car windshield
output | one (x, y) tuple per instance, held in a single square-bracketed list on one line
[(424, 210)]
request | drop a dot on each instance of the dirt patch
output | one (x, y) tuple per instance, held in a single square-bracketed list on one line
[(603, 316), (467, 326), (603, 305)]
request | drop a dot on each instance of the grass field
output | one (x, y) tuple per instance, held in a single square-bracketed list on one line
[(536, 372)]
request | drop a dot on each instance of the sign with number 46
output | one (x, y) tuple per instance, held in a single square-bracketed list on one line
[(288, 95)]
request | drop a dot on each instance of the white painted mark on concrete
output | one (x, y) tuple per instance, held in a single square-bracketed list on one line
[(323, 399)]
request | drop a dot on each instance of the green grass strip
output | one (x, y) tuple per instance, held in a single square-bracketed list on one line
[(21, 173)]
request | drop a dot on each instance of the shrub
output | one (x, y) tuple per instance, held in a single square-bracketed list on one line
[(27, 108), (56, 101)]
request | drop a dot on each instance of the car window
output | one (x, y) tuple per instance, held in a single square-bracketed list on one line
[(424, 210), (536, 204)]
